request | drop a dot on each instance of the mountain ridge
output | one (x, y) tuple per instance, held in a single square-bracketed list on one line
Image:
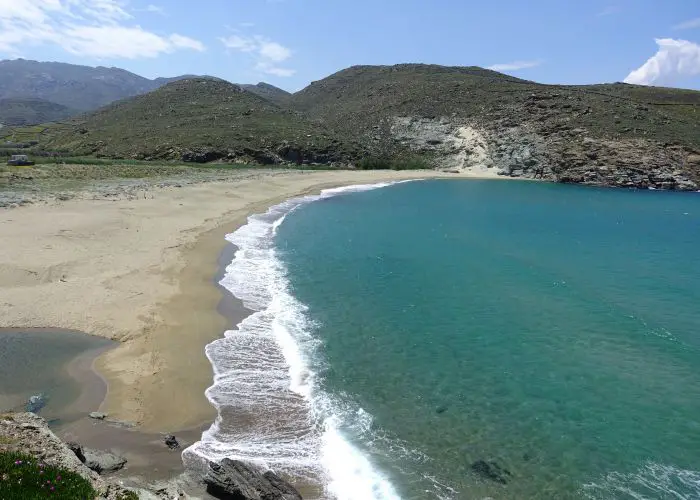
[(76, 87)]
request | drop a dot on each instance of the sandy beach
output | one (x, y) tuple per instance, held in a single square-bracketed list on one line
[(141, 271)]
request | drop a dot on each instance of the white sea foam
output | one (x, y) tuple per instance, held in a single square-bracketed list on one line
[(271, 410), (650, 482)]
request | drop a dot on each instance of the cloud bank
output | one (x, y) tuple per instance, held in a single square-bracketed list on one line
[(92, 28), (268, 53), (673, 61)]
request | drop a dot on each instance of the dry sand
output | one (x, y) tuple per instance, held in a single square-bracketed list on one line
[(141, 271)]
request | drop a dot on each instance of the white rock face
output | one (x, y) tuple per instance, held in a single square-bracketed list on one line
[(459, 147)]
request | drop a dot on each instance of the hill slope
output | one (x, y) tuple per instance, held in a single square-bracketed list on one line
[(77, 87), (269, 92), (471, 118), (83, 88), (18, 112), (454, 118), (198, 120)]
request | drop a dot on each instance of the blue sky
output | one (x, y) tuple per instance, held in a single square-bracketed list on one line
[(292, 42)]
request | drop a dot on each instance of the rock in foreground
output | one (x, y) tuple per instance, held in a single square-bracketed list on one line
[(102, 461), (235, 480), (29, 434)]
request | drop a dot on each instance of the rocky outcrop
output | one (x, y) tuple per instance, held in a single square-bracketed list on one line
[(28, 433), (557, 153), (103, 461), (235, 480)]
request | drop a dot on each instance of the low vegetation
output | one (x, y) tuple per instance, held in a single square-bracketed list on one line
[(372, 116), (396, 163), (18, 112), (23, 477)]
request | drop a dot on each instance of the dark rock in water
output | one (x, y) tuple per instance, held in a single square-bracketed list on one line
[(491, 471), (235, 480), (77, 449), (171, 442), (441, 409), (36, 403), (527, 457), (102, 461)]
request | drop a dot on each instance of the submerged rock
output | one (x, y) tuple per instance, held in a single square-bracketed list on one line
[(102, 461), (233, 479), (491, 471)]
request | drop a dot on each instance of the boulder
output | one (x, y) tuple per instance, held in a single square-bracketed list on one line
[(236, 480), (491, 471), (98, 416), (102, 461), (171, 442), (36, 403)]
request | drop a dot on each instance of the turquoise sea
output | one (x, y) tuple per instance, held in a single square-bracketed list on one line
[(469, 339)]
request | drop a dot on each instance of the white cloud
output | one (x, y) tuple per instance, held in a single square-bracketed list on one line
[(675, 60), (274, 51), (687, 25), (269, 69), (155, 9), (92, 28), (240, 43), (514, 66), (268, 53), (185, 42)]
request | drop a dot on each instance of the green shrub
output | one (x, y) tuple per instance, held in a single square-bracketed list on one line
[(25, 478), (397, 163)]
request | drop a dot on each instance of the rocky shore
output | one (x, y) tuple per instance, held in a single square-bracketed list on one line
[(30, 434), (555, 152)]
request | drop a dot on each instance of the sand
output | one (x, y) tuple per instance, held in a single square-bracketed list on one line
[(141, 271)]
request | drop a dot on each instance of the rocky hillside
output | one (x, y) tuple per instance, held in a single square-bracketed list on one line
[(269, 92), (77, 87), (471, 118), (68, 88), (200, 120), (18, 112), (452, 118)]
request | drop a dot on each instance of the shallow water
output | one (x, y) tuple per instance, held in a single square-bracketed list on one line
[(42, 362), (404, 334)]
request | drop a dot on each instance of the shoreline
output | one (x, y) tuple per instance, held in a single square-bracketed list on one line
[(144, 277)]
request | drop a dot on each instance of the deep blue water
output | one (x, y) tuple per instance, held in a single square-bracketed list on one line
[(553, 330)]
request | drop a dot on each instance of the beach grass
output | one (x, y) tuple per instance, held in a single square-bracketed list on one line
[(23, 477)]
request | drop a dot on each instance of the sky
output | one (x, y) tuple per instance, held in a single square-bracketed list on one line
[(290, 43)]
